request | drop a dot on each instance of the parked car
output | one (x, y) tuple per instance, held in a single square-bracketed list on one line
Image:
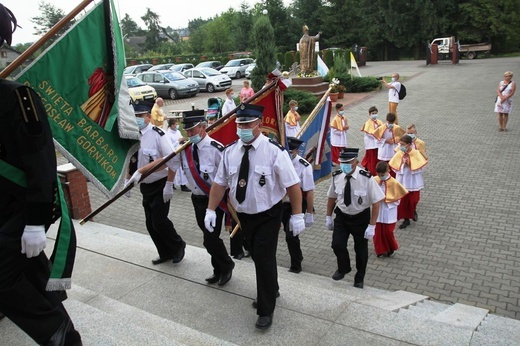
[(249, 69), (209, 79), (216, 65), (139, 91), (181, 67), (170, 84), (135, 69), (161, 67), (236, 68)]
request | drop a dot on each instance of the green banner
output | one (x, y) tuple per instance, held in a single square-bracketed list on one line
[(81, 83)]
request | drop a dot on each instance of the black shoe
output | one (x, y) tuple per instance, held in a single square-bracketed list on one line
[(1, 315), (255, 302), (295, 270), (337, 276), (358, 284), (160, 260), (390, 253), (405, 224), (239, 256), (415, 216), (179, 255), (213, 279), (185, 188), (174, 187), (264, 322), (225, 277)]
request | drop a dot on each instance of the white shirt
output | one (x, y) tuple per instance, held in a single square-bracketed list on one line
[(209, 159), (371, 142), (153, 146), (292, 131), (267, 161), (338, 138), (173, 137), (386, 150), (412, 181), (364, 191), (228, 106), (304, 171), (393, 94), (387, 211)]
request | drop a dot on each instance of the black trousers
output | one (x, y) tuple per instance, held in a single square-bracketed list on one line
[(344, 226), (237, 244), (293, 243), (220, 259), (161, 229), (23, 298), (261, 234)]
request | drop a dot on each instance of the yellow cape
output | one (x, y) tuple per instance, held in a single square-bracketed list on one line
[(397, 132), (337, 123), (417, 160), (370, 126), (394, 190)]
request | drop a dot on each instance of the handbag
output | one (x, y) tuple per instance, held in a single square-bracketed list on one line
[(504, 88)]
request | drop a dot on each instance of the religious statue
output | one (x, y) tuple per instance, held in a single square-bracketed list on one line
[(307, 50)]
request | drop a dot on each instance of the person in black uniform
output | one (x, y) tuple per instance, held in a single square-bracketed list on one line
[(26, 148), (351, 194), (259, 173)]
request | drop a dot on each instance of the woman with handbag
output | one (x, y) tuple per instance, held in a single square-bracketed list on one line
[(504, 104)]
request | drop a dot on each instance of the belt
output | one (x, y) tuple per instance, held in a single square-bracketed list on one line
[(348, 216), (199, 196)]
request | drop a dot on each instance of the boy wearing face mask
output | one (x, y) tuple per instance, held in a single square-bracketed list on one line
[(304, 171), (416, 142), (338, 133), (229, 104), (385, 243), (157, 189), (371, 143), (388, 136), (408, 163), (292, 120), (351, 194)]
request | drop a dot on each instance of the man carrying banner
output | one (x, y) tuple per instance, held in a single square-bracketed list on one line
[(28, 185), (258, 173)]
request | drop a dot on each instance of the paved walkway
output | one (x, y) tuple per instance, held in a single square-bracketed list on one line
[(465, 246)]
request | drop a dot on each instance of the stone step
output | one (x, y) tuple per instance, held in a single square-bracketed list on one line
[(462, 316), (425, 309)]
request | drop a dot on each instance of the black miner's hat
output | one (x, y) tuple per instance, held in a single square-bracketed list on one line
[(348, 154), (247, 113), (193, 118), (294, 143)]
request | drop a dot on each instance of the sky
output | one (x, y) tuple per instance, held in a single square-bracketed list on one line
[(173, 13)]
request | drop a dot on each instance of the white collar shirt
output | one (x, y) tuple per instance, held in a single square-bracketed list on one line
[(270, 173), (364, 192), (153, 147)]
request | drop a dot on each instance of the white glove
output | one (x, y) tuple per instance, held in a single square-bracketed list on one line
[(329, 223), (370, 231), (297, 224), (167, 192), (129, 192), (309, 219), (210, 220), (33, 240), (133, 179)]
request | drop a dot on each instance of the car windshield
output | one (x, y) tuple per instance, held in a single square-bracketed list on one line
[(233, 63), (210, 72), (128, 70), (173, 76), (134, 82)]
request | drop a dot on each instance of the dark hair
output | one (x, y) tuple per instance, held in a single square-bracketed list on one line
[(382, 167), (172, 121), (407, 139), (7, 25), (390, 117), (372, 109), (338, 106)]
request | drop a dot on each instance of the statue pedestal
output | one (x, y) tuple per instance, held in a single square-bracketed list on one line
[(314, 85)]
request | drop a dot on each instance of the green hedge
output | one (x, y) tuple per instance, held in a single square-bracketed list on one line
[(355, 84), (306, 100)]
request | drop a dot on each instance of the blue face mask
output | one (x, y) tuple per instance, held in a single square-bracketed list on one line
[(393, 79), (345, 167), (246, 135), (374, 116), (341, 112), (403, 149), (411, 135), (390, 126), (140, 123), (195, 139), (232, 95), (295, 108)]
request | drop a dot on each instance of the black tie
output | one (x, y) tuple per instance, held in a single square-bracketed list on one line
[(196, 157), (346, 197), (242, 175)]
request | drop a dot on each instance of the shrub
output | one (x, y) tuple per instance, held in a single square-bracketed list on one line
[(306, 100), (279, 58), (361, 84), (329, 58), (288, 60)]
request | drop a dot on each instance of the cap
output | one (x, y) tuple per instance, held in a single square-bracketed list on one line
[(140, 109), (193, 118), (294, 143), (348, 154), (247, 113), (7, 25)]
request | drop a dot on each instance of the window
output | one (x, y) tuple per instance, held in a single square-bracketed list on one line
[(4, 54)]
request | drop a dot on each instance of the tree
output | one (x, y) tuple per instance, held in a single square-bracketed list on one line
[(265, 50), (129, 27), (151, 19), (50, 15), (218, 35), (242, 28), (287, 31)]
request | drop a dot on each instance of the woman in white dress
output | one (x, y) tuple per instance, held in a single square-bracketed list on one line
[(504, 104)]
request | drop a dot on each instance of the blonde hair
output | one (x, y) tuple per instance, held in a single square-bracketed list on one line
[(229, 91), (293, 103), (508, 73), (411, 127)]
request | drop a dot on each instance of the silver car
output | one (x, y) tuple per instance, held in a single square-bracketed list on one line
[(209, 79), (236, 68), (170, 84)]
